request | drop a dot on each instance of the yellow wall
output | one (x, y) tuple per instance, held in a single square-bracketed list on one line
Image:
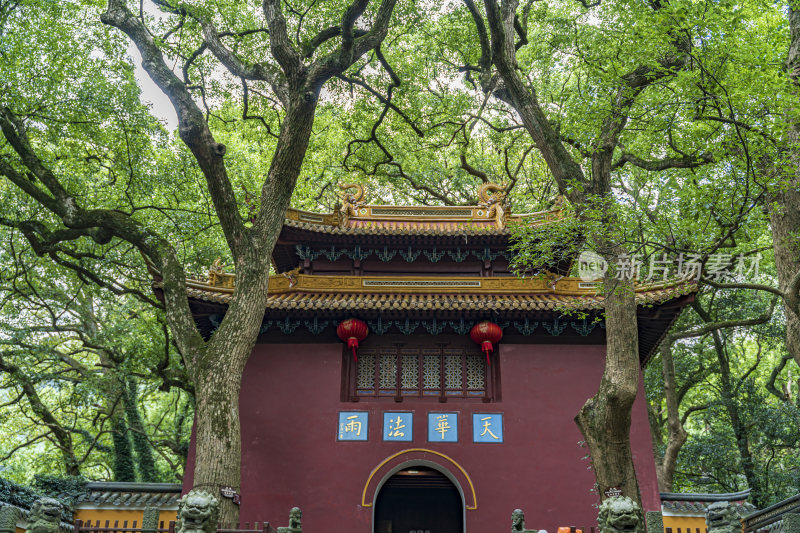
[(685, 522), (119, 514)]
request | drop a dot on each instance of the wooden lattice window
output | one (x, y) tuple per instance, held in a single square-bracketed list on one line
[(438, 372)]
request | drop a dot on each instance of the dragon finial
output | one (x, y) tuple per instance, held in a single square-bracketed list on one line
[(350, 201), (354, 199), (489, 199), (496, 204)]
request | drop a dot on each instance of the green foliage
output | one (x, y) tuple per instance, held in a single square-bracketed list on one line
[(123, 465), (144, 453), (712, 460), (67, 489), (17, 494), (536, 248)]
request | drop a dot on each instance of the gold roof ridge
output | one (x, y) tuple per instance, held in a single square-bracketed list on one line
[(491, 214)]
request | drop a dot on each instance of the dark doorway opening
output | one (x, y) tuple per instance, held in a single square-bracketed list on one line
[(419, 500)]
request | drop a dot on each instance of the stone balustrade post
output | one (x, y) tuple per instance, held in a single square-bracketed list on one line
[(9, 516)]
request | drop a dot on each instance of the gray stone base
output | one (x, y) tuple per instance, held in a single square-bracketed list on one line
[(655, 522)]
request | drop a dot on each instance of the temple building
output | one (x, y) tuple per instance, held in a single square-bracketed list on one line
[(457, 404)]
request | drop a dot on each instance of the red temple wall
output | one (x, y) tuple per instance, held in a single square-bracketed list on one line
[(289, 407)]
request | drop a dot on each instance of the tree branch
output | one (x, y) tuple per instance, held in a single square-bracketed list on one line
[(714, 326), (45, 415), (349, 51), (236, 66), (752, 286), (280, 45), (473, 171), (112, 223), (663, 164), (192, 125)]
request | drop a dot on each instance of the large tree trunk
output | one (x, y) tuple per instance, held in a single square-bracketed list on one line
[(740, 431), (145, 462), (218, 370), (605, 419), (785, 205), (676, 434), (217, 377), (784, 219)]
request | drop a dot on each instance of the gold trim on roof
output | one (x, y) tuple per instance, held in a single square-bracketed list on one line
[(338, 298), (223, 283), (295, 282), (491, 215)]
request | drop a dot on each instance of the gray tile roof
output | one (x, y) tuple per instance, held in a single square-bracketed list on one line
[(692, 502), (135, 495)]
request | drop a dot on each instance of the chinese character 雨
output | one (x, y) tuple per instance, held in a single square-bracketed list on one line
[(486, 425), (443, 426), (353, 425), (395, 426)]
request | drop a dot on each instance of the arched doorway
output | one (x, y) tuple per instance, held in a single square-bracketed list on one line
[(419, 499)]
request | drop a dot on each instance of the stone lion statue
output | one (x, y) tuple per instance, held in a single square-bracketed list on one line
[(45, 516), (620, 514), (518, 522), (723, 517), (295, 522), (198, 512)]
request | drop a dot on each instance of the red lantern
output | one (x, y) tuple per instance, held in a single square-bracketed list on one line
[(486, 334), (352, 331)]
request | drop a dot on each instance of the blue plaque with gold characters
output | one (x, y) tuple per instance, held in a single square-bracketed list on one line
[(442, 427), (397, 426), (353, 425), (487, 427)]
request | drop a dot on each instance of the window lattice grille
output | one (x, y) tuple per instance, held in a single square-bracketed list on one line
[(409, 378), (366, 371), (452, 372), (431, 373), (420, 372), (476, 372)]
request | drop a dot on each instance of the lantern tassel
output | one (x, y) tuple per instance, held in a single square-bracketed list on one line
[(353, 343)]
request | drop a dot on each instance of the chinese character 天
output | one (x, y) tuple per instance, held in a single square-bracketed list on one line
[(487, 427), (487, 424)]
